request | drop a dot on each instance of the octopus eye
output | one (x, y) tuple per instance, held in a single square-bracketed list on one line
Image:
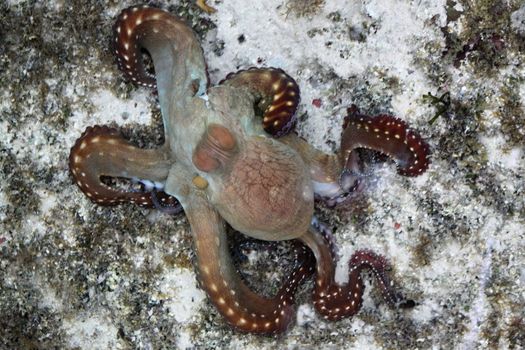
[(215, 148), (204, 161), (221, 137)]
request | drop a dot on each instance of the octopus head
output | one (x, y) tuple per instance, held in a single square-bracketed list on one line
[(260, 186)]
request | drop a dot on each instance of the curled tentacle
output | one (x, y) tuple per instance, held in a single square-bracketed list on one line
[(165, 203), (176, 52), (242, 308), (386, 134), (335, 301), (277, 96), (338, 179), (127, 50), (102, 151)]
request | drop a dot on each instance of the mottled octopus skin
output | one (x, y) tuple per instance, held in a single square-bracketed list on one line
[(224, 165)]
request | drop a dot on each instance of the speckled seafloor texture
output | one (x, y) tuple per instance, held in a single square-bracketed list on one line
[(75, 275)]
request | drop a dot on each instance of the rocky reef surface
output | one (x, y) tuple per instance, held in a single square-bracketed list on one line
[(75, 275)]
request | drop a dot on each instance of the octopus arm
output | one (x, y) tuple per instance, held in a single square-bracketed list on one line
[(102, 151), (335, 301), (323, 167), (388, 135), (174, 48), (276, 93), (241, 307), (337, 176)]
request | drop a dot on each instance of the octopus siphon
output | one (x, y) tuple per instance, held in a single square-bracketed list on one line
[(230, 158)]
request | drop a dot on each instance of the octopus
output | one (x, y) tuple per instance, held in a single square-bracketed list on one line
[(230, 158)]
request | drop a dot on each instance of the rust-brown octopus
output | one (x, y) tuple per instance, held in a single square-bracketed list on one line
[(221, 164)]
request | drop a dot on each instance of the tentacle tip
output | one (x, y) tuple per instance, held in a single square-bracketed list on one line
[(351, 182), (351, 113), (416, 169), (165, 203)]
